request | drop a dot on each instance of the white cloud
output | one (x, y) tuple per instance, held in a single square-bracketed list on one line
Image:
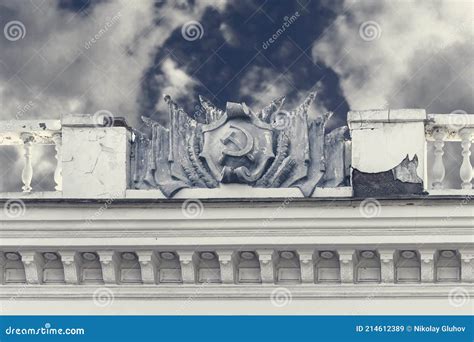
[(423, 57), (74, 63)]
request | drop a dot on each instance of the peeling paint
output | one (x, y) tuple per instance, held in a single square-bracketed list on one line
[(406, 170), (401, 180)]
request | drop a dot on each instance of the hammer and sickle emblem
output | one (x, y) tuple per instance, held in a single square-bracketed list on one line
[(243, 148)]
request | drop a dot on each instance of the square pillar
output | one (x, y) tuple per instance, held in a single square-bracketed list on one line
[(187, 260), (71, 264), (227, 264), (110, 263), (387, 267), (148, 264), (34, 264), (467, 265), (306, 265), (267, 267), (427, 265), (399, 131), (95, 156), (346, 259)]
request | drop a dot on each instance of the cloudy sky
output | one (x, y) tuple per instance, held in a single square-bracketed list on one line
[(82, 56)]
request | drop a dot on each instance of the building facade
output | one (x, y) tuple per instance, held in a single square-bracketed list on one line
[(239, 212)]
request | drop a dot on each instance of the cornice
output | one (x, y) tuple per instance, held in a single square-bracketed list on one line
[(235, 291)]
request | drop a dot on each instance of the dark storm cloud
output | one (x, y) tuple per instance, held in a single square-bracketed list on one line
[(234, 60)]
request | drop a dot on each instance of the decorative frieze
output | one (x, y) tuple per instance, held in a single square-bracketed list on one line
[(228, 266)]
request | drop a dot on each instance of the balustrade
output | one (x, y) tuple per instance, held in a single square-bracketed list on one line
[(443, 128), (440, 129), (28, 134)]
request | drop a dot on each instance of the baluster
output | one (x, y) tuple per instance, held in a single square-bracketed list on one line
[(27, 173), (58, 179), (465, 172), (439, 134)]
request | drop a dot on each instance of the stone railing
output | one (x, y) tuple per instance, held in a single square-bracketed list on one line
[(441, 128), (245, 267), (100, 161), (27, 134)]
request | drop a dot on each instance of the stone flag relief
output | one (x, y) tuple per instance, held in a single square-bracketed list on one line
[(269, 149)]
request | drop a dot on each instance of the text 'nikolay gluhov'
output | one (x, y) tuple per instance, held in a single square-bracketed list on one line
[(437, 329)]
